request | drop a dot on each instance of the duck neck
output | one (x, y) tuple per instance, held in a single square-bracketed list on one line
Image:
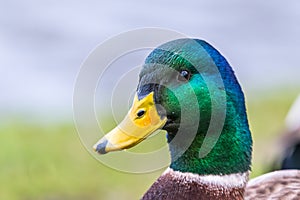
[(231, 154)]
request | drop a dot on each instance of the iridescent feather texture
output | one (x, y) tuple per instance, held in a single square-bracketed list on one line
[(180, 81)]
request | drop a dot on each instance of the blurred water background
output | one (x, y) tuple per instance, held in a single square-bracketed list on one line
[(43, 44)]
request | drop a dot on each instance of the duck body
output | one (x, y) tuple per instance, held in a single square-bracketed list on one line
[(283, 185), (290, 140), (292, 157), (178, 185), (187, 88)]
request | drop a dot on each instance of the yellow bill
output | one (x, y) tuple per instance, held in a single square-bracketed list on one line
[(140, 122)]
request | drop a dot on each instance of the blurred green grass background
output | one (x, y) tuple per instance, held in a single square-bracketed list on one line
[(48, 161)]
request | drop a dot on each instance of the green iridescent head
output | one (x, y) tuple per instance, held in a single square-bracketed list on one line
[(187, 88), (196, 89)]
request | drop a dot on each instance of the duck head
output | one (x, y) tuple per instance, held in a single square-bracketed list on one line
[(187, 88)]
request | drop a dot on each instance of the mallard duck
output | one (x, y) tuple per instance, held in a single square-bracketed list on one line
[(291, 150), (289, 142), (187, 88)]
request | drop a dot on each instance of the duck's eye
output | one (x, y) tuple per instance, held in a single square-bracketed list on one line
[(184, 75), (140, 113)]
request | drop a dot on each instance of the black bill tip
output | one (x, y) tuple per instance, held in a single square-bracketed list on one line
[(100, 147)]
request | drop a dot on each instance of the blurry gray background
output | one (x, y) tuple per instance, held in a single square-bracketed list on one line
[(43, 43)]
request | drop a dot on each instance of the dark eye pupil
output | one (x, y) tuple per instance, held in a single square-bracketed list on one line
[(184, 75), (140, 113)]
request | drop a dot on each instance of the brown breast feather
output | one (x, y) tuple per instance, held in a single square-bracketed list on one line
[(170, 187)]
